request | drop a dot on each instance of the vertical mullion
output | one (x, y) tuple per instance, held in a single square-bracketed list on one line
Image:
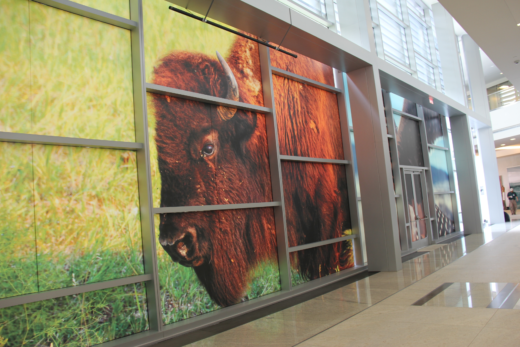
[(398, 182), (143, 168), (428, 175), (433, 49), (451, 175), (378, 36), (276, 169), (409, 38), (341, 83)]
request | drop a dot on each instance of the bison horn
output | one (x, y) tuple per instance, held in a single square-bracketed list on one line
[(226, 113)]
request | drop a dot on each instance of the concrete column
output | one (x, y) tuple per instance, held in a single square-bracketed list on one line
[(477, 83), (467, 174), (375, 174), (450, 62), (492, 182)]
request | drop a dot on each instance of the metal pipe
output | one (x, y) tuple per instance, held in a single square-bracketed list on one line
[(191, 15)]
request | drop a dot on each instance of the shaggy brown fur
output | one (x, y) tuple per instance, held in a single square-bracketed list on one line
[(222, 246), (316, 201)]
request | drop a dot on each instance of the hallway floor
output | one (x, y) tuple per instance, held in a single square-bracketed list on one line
[(440, 298)]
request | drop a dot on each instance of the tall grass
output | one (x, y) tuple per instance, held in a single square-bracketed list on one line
[(69, 215), (183, 296), (63, 74), (77, 320)]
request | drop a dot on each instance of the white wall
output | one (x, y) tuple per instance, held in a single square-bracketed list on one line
[(503, 164), (505, 117)]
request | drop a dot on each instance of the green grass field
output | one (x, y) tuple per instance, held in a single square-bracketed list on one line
[(69, 214), (183, 297), (76, 321)]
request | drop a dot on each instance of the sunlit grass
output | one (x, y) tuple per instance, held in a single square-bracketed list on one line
[(76, 321), (183, 297)]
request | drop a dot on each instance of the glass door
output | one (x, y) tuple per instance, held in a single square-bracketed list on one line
[(416, 218)]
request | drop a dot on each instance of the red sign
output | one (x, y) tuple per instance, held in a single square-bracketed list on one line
[(431, 100)]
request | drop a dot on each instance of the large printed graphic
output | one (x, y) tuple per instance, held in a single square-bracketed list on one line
[(433, 124), (79, 320), (439, 165), (70, 216), (408, 141), (204, 154), (316, 199), (444, 214), (64, 74)]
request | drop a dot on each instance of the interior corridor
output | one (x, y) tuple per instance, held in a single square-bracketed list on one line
[(450, 295)]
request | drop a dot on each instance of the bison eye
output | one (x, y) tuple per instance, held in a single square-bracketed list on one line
[(207, 150)]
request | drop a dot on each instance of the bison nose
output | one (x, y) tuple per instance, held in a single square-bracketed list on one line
[(181, 247)]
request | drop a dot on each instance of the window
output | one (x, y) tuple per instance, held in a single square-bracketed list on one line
[(405, 37)]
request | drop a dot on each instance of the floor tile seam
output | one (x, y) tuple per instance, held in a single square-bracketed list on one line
[(485, 325)]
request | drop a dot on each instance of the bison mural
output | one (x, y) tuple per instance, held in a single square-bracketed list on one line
[(214, 155)]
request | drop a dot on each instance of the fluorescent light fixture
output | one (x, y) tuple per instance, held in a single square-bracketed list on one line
[(512, 139), (503, 87), (503, 144)]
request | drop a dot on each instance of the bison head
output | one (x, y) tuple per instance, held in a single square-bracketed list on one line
[(213, 155)]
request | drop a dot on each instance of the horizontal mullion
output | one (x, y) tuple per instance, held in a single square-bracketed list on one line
[(209, 99), (439, 147), (413, 167), (85, 288), (444, 193), (321, 243), (406, 114), (390, 14), (67, 141), (313, 160), (301, 79), (91, 13), (406, 68), (185, 209)]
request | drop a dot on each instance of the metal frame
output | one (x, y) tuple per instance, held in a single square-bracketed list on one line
[(150, 278), (399, 176)]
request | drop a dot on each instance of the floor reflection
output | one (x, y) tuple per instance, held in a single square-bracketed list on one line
[(300, 322)]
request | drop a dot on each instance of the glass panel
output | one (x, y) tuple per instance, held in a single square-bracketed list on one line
[(425, 71), (419, 197), (197, 159), (314, 263), (87, 215), (303, 66), (401, 104), (433, 124), (84, 86), (120, 8), (15, 69), (444, 214), (208, 260), (308, 120), (354, 162), (315, 6), (18, 271), (186, 57), (362, 231), (394, 39), (316, 202), (393, 6), (420, 40), (440, 175), (78, 320), (408, 138)]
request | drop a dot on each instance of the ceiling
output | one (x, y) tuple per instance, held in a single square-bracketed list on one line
[(492, 24)]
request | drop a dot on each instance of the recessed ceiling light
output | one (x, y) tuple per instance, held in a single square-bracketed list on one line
[(518, 25), (512, 139), (501, 73), (503, 144)]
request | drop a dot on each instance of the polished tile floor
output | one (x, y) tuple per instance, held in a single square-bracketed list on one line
[(379, 310)]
